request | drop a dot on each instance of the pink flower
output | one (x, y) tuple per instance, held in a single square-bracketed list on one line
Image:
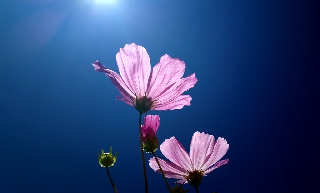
[(204, 157), (150, 127), (159, 89), (149, 130)]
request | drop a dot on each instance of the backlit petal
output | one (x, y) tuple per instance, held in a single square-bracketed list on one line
[(177, 89), (169, 169), (165, 74), (177, 103), (201, 146), (134, 66), (125, 92), (98, 66), (218, 164), (175, 152), (220, 149), (152, 121)]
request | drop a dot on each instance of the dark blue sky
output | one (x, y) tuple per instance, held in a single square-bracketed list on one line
[(257, 87)]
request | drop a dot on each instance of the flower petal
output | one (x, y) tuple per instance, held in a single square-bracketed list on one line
[(182, 181), (125, 99), (218, 164), (220, 149), (175, 152), (177, 89), (164, 75), (169, 169), (125, 92), (177, 103), (152, 121), (201, 146), (134, 66), (150, 127), (99, 67)]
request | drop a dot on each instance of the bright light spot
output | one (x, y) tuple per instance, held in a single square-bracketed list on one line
[(106, 1)]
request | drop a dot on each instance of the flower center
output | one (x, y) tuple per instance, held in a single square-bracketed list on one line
[(143, 104), (194, 178)]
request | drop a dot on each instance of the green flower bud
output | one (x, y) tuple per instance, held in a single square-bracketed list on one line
[(151, 145), (107, 159)]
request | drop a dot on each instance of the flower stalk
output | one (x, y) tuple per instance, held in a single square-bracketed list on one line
[(142, 156), (197, 190), (113, 186), (164, 177)]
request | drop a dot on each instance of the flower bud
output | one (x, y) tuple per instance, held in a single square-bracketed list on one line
[(148, 131), (107, 159), (151, 145)]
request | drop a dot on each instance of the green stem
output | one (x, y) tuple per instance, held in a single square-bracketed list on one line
[(197, 190), (113, 186), (143, 158), (164, 177)]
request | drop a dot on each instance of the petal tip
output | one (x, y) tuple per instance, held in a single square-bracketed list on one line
[(98, 66)]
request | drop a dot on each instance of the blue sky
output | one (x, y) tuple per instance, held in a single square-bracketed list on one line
[(257, 87)]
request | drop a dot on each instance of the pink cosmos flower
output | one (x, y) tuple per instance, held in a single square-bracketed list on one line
[(149, 130), (150, 127), (204, 157), (159, 89)]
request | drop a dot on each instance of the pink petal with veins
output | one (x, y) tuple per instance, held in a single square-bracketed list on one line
[(204, 156), (163, 85)]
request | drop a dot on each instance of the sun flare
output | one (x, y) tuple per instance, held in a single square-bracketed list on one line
[(105, 1)]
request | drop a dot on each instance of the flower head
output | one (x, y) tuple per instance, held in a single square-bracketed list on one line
[(158, 89), (204, 157), (149, 130), (107, 159)]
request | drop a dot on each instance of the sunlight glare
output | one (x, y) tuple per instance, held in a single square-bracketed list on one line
[(105, 1)]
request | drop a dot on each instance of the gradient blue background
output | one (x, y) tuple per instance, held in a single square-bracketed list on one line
[(256, 62)]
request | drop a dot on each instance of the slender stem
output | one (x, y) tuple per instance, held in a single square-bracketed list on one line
[(164, 177), (113, 186), (197, 189), (143, 158)]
